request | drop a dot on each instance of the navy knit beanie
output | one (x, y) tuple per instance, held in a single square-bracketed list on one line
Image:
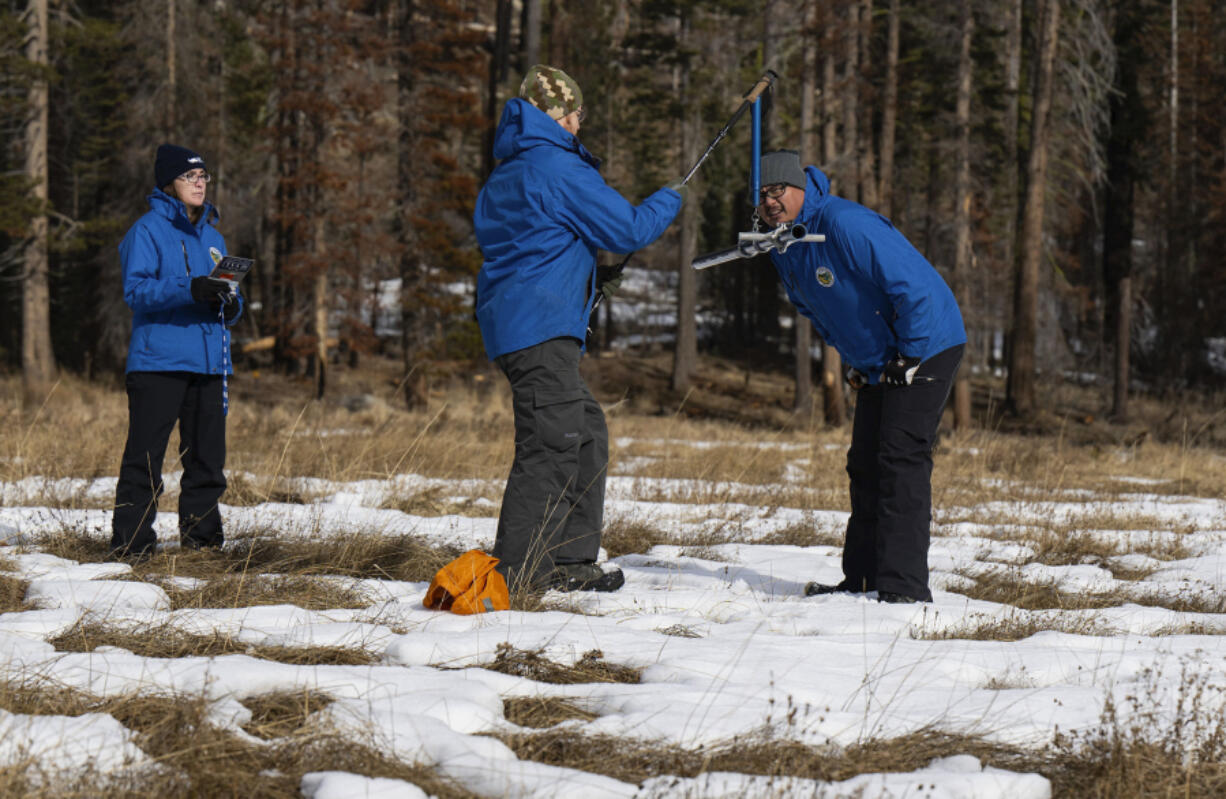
[(173, 161)]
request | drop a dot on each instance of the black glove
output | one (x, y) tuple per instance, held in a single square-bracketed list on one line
[(210, 290), (609, 280), (856, 379), (680, 188), (900, 371)]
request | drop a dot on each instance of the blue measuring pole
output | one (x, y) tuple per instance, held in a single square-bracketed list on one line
[(755, 168)]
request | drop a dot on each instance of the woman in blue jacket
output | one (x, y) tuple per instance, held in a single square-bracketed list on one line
[(539, 219), (873, 297), (178, 358)]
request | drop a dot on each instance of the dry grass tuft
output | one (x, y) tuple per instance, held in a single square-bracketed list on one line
[(592, 667), (12, 594), (1009, 587), (622, 537), (1013, 628), (283, 714), (202, 760), (540, 712), (168, 642), (246, 590)]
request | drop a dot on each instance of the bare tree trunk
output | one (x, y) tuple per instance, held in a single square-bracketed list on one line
[(531, 34), (834, 404), (851, 106), (412, 311), (803, 396), (889, 115), (1127, 130), (321, 323), (962, 203), (1010, 189), (685, 354), (171, 85), (37, 358), (864, 147), (1020, 391)]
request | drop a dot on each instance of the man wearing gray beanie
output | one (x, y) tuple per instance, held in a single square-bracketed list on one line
[(539, 219), (873, 297)]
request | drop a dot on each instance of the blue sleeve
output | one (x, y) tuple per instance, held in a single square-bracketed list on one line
[(901, 272), (144, 289), (604, 219)]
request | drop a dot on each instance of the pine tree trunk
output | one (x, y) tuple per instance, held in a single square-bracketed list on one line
[(1127, 132), (685, 353), (531, 36), (803, 396), (412, 326), (834, 403), (889, 115), (37, 359), (171, 84), (962, 203), (864, 147), (1010, 191), (1020, 396)]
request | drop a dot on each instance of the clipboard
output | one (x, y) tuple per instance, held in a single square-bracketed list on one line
[(232, 268)]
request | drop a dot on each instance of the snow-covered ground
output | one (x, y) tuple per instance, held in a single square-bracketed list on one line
[(727, 645)]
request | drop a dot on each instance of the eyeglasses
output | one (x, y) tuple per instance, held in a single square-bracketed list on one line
[(195, 177), (771, 192), (582, 114)]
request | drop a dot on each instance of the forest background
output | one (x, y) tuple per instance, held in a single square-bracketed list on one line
[(1062, 163)]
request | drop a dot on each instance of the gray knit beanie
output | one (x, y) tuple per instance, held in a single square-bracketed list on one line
[(783, 166)]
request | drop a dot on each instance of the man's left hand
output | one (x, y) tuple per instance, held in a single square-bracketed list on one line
[(901, 370)]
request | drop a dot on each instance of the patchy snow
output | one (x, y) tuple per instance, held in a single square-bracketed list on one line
[(728, 646)]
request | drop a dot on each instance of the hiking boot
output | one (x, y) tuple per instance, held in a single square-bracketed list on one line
[(892, 598), (822, 589), (585, 577)]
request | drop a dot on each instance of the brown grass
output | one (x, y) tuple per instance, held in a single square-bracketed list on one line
[(284, 714), (202, 760), (592, 667), (12, 593), (1009, 588), (244, 590), (542, 712), (168, 642)]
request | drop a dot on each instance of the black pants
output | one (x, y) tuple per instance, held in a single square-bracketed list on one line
[(553, 506), (156, 400), (890, 465)]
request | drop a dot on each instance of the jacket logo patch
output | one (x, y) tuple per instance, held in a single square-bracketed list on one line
[(825, 276), (215, 254)]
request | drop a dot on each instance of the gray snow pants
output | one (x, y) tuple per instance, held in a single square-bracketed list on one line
[(553, 506)]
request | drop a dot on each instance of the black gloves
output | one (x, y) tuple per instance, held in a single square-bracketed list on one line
[(609, 280), (856, 379), (900, 371), (211, 290), (680, 188)]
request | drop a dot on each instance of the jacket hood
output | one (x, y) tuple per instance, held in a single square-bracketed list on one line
[(816, 193), (171, 207), (524, 126)]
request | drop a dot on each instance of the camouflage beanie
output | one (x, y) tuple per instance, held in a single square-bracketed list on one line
[(551, 90)]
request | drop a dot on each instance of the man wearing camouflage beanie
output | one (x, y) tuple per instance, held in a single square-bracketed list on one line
[(540, 218)]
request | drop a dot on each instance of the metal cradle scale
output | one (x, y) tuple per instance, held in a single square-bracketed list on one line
[(753, 242)]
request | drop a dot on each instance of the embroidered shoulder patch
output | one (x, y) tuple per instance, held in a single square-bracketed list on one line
[(825, 277), (215, 254)]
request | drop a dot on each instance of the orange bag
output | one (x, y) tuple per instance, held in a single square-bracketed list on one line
[(469, 585)]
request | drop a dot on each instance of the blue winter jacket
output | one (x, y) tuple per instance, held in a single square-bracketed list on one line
[(539, 219), (161, 253), (868, 291)]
